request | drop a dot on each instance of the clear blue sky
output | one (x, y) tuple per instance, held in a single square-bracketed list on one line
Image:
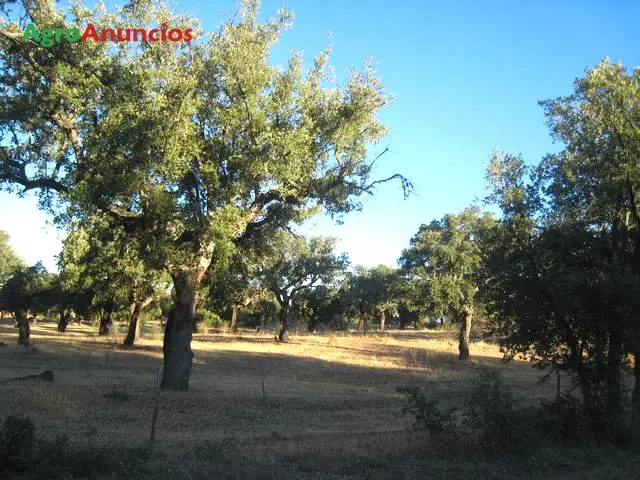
[(466, 78)]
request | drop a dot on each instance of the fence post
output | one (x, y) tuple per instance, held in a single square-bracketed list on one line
[(154, 418)]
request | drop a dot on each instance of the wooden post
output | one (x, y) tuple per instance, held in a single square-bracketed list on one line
[(154, 418)]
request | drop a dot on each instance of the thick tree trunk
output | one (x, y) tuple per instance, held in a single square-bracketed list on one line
[(465, 332), (133, 333), (24, 332), (381, 318), (63, 322), (233, 326), (178, 356), (283, 336)]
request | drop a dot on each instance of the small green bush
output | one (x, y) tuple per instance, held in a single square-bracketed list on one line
[(492, 410), (339, 322), (429, 415), (494, 420), (209, 319)]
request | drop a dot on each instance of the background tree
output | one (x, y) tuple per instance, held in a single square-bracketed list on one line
[(69, 299), (98, 256), (185, 145), (446, 259), (233, 284), (321, 305), (10, 262), (376, 292), (295, 264), (24, 293)]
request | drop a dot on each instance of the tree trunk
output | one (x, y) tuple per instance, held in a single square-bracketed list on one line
[(283, 336), (313, 323), (465, 332), (381, 318), (635, 398), (178, 356), (105, 323), (404, 319), (233, 326), (24, 332), (362, 322), (133, 333), (614, 384), (65, 315)]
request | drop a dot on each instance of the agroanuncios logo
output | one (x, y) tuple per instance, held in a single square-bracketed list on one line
[(46, 37)]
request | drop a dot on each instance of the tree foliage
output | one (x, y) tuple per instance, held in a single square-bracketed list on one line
[(564, 264), (446, 260), (374, 293), (9, 259), (185, 145), (295, 264)]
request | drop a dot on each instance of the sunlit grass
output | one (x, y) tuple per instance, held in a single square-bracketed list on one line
[(320, 392)]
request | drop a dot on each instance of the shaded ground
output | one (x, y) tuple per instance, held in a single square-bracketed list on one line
[(324, 406)]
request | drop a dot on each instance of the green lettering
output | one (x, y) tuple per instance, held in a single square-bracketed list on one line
[(73, 35), (31, 33), (47, 37)]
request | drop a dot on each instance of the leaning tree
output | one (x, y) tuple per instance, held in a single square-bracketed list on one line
[(187, 145)]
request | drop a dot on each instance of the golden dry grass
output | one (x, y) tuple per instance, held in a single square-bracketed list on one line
[(324, 394)]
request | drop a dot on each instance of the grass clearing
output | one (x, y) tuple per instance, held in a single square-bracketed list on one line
[(322, 406)]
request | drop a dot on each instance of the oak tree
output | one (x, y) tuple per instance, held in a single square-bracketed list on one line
[(186, 145)]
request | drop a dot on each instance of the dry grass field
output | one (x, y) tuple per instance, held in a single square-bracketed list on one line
[(322, 406)]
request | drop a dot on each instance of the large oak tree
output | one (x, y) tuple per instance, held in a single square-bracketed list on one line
[(186, 145)]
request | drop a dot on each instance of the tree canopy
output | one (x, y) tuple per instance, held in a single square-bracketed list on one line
[(185, 145), (9, 259), (563, 268), (446, 260), (295, 264)]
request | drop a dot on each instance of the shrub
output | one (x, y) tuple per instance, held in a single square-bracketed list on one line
[(429, 415), (492, 410), (339, 322), (17, 442), (489, 417), (22, 453), (209, 319), (565, 420)]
